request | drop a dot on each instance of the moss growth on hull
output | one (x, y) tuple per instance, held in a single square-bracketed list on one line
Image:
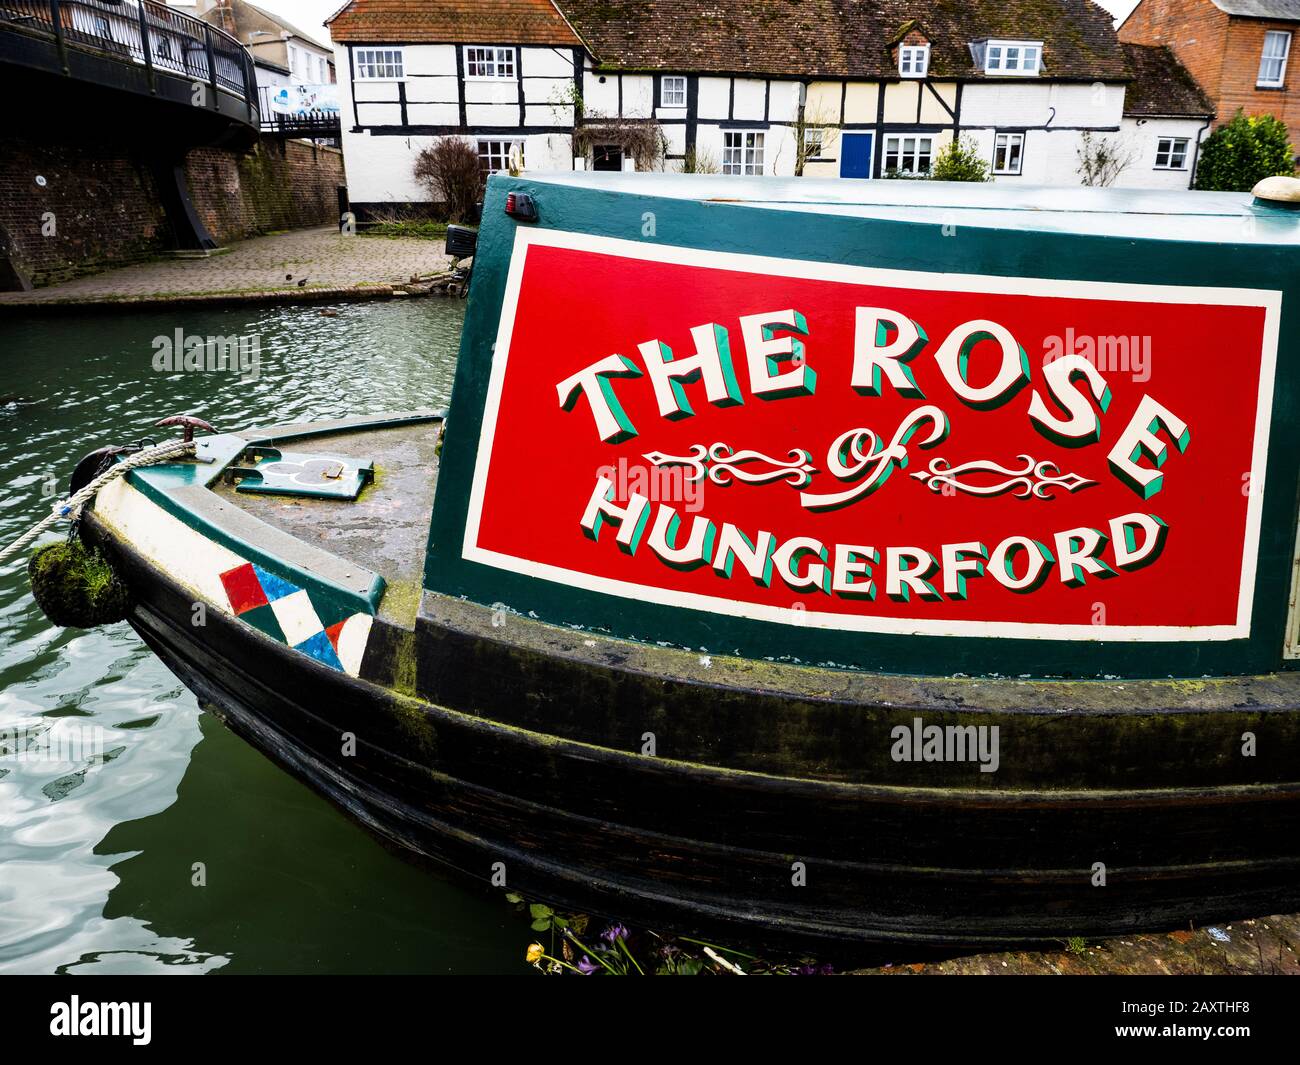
[(75, 586)]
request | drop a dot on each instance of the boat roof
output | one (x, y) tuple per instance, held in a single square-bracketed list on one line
[(1150, 214)]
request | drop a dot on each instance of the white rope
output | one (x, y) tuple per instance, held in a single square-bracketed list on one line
[(64, 508)]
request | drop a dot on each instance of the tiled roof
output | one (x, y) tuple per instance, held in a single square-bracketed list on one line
[(1277, 9), (839, 38), (290, 27), (1161, 85), (452, 21)]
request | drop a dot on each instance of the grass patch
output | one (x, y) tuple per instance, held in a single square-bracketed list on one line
[(421, 230)]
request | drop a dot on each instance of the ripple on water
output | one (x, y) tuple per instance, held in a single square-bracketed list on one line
[(99, 838)]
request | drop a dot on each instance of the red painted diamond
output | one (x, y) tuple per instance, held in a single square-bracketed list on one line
[(243, 588)]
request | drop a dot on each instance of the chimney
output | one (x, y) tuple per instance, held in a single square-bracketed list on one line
[(220, 13)]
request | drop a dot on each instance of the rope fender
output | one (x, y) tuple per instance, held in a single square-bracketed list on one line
[(65, 509)]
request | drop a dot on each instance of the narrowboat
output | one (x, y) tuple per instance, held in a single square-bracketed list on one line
[(836, 561)]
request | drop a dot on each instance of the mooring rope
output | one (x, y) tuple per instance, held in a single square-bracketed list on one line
[(63, 510)]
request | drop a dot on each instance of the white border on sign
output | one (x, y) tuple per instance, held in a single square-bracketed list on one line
[(1270, 301)]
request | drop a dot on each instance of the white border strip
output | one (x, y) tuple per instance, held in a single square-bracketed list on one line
[(1270, 301)]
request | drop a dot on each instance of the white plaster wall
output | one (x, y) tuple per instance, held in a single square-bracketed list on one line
[(638, 95), (1033, 103), (708, 144), (548, 151), (1049, 158), (823, 102), (492, 91), (547, 63), (380, 169), (750, 99), (600, 97), (1141, 135), (783, 101), (675, 134), (715, 93), (860, 99), (435, 59), (430, 89)]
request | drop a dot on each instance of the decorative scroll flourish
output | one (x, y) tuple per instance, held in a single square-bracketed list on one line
[(861, 455), (721, 463), (1034, 480)]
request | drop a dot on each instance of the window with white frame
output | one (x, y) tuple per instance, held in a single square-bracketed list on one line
[(379, 64), (489, 62), (1171, 153), (742, 152), (1021, 58), (913, 60), (907, 153), (494, 156), (1008, 149), (1272, 61), (812, 143), (672, 91)]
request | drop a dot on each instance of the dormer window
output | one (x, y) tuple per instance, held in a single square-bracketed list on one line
[(913, 60), (1014, 58)]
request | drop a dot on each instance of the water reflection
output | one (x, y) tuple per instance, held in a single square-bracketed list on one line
[(98, 843)]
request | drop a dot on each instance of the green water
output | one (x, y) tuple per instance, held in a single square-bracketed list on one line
[(97, 853)]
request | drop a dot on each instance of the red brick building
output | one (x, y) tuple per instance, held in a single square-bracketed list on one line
[(1239, 50)]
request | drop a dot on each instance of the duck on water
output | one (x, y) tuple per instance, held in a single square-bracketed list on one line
[(937, 631)]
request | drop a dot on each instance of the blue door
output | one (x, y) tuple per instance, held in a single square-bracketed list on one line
[(855, 155)]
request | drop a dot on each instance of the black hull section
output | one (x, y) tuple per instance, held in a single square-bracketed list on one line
[(684, 845)]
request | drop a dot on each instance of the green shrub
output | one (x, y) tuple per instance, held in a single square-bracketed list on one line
[(960, 160), (1243, 152)]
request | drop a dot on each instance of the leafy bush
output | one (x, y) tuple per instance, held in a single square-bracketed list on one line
[(450, 171), (1243, 152), (960, 160)]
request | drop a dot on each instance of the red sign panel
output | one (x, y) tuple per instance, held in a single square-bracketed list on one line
[(876, 450)]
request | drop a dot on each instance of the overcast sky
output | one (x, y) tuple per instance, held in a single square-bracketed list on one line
[(310, 15)]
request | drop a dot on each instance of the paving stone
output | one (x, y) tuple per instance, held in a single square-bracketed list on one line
[(265, 267)]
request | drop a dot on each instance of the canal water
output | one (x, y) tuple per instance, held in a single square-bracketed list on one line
[(98, 852)]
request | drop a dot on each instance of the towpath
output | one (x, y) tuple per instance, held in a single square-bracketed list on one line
[(316, 263)]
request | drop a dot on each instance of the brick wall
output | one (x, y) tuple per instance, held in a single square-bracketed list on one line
[(99, 205), (1222, 53), (1241, 69), (1196, 30), (278, 185), (69, 210)]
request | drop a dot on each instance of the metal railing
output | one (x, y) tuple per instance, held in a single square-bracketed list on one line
[(300, 124), (177, 43)]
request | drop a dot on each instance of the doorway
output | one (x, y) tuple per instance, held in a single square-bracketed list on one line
[(856, 154), (606, 157)]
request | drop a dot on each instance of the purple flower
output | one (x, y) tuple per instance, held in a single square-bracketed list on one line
[(614, 933), (586, 966)]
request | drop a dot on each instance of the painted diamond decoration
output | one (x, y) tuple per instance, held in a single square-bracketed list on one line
[(286, 613)]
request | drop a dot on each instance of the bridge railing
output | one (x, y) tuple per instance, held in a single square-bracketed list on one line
[(309, 123), (140, 31)]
